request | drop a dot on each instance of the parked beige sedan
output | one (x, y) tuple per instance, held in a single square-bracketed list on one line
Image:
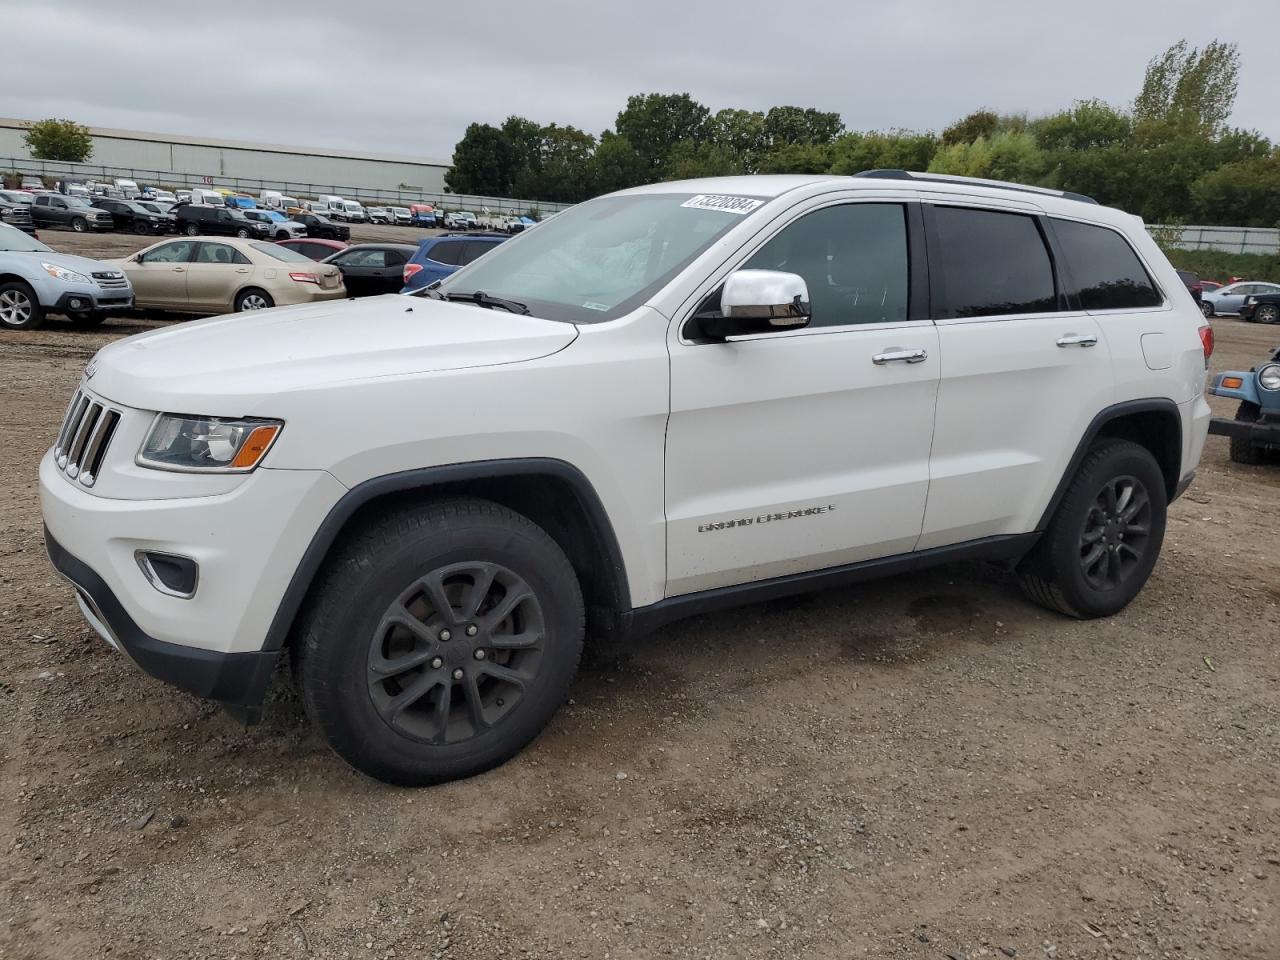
[(209, 275)]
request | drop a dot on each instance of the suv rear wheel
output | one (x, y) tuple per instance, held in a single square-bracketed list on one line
[(1105, 536), (19, 308), (440, 642)]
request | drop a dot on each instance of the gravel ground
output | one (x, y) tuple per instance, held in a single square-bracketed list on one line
[(923, 767)]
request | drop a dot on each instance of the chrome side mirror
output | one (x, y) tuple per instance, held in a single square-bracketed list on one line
[(756, 301)]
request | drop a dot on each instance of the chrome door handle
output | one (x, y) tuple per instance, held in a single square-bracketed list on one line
[(901, 355), (179, 269), (1078, 340), (242, 269)]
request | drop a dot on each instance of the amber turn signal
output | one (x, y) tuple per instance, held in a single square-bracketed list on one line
[(1232, 383), (253, 449)]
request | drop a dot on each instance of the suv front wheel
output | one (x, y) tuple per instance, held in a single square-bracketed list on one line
[(441, 640), (19, 308), (1104, 539)]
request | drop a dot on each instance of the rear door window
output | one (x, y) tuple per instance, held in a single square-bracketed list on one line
[(1105, 272), (993, 264), (447, 252), (474, 250), (177, 251)]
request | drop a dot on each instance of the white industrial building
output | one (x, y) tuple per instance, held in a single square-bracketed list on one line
[(165, 158)]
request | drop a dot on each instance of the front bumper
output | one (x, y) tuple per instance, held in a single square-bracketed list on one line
[(94, 301), (235, 679), (247, 535), (1264, 433)]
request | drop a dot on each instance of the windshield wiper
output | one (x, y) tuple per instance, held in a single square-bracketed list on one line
[(481, 299)]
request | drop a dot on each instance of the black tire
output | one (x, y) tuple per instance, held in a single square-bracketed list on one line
[(1267, 313), (1207, 309), (1058, 573), (191, 230), (253, 298), (1243, 450), (19, 307), (88, 321), (282, 235), (141, 227), (345, 643), (242, 233), (79, 224)]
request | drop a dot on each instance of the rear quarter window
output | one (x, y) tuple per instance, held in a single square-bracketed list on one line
[(1105, 271)]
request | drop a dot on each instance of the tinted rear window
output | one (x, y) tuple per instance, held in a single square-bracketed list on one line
[(286, 254), (1106, 273), (993, 263), (446, 251)]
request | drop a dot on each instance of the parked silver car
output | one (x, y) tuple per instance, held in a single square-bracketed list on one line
[(1229, 299)]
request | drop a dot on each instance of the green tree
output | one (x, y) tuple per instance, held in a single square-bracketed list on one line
[(1005, 156), (525, 138), (615, 165), (798, 158), (1087, 125), (784, 126), (980, 123), (895, 150), (1245, 193), (63, 140), (689, 160), (655, 122), (564, 173), (741, 132), (1190, 89), (483, 163)]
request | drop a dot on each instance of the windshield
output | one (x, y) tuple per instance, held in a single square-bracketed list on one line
[(13, 239), (602, 258), (15, 197), (351, 205)]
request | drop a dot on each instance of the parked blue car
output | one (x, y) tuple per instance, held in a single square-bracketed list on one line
[(1256, 427), (437, 257)]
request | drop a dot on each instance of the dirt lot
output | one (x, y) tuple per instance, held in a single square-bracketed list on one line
[(921, 767)]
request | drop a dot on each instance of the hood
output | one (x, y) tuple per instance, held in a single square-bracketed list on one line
[(79, 264), (226, 366)]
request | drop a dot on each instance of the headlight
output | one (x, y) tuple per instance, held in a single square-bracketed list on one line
[(63, 274), (1269, 377), (207, 444)]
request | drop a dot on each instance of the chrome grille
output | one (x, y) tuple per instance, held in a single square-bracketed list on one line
[(83, 440), (111, 279)]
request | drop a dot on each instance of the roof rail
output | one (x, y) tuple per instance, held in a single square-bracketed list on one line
[(970, 181)]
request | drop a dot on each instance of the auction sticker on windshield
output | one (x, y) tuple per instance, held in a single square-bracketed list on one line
[(714, 201)]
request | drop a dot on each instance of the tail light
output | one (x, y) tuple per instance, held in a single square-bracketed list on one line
[(1206, 341), (305, 278), (411, 270)]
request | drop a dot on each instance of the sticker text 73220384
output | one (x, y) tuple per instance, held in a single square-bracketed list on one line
[(715, 201)]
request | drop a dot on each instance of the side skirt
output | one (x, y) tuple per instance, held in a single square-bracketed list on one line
[(646, 619)]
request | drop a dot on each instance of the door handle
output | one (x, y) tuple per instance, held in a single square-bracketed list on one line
[(179, 269), (242, 269), (1078, 340), (900, 355)]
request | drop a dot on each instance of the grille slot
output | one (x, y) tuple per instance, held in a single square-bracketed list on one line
[(82, 442)]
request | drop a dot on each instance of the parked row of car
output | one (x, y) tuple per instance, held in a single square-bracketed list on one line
[(229, 265)]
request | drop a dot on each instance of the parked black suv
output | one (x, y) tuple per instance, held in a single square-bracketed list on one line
[(17, 215), (55, 210), (195, 219), (318, 226), (131, 215)]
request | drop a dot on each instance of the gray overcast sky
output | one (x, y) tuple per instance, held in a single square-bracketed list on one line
[(407, 76)]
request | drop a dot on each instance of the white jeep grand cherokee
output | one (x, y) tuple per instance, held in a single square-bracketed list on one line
[(661, 402)]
